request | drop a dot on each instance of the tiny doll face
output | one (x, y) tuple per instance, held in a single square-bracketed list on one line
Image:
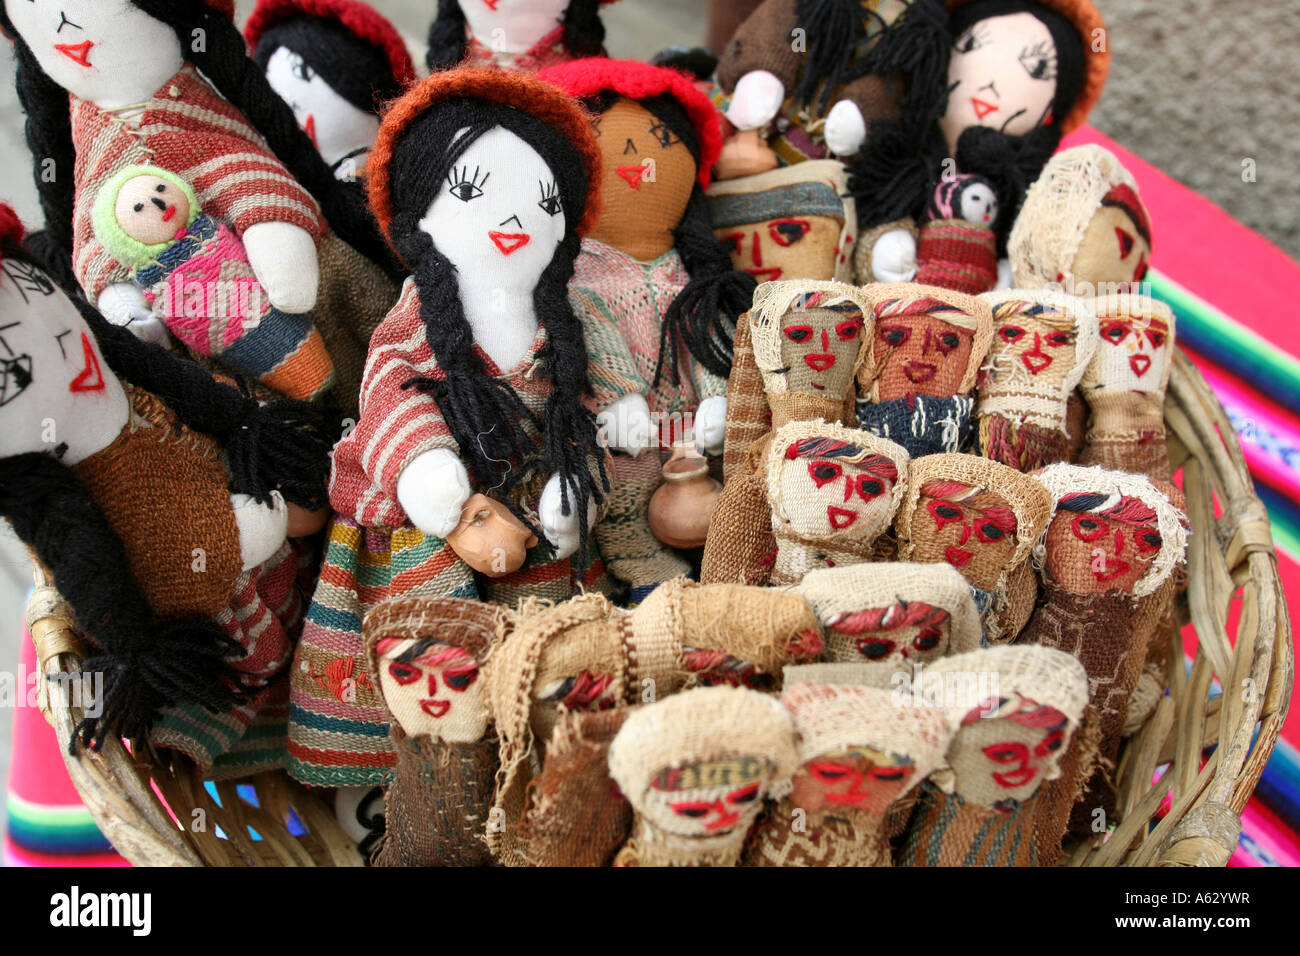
[(433, 689), (1001, 74), (720, 669), (788, 247), (1027, 346), (1133, 354), (914, 633), (974, 531), (920, 354), (1115, 545), (512, 26), (152, 210), (858, 778), (1115, 251), (830, 487), (337, 128), (498, 215), (819, 349), (570, 678), (979, 204), (1001, 761), (707, 798)]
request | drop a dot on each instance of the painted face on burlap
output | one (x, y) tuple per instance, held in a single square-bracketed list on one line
[(1132, 356), (914, 633), (1000, 761), (1096, 544), (433, 689), (713, 668), (575, 672), (833, 487), (152, 210), (819, 348), (1115, 251), (707, 798), (857, 778), (972, 529), (338, 128), (919, 350), (787, 247), (1032, 347)]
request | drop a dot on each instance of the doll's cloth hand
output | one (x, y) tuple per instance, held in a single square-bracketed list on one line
[(757, 98), (432, 490), (1005, 278), (262, 527), (893, 258), (711, 425), (284, 259), (561, 530), (845, 130), (123, 303), (625, 424)]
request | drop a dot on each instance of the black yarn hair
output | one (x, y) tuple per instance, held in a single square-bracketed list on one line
[(486, 416), (358, 71), (584, 33), (703, 315), (224, 61)]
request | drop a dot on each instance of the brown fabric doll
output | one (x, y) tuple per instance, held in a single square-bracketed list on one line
[(1042, 343), (1016, 710), (983, 518), (860, 754), (696, 769), (426, 657), (927, 347)]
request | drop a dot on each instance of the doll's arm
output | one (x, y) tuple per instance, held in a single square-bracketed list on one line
[(262, 527), (563, 531), (740, 539), (619, 386), (432, 489), (886, 253), (748, 414), (284, 259), (124, 304)]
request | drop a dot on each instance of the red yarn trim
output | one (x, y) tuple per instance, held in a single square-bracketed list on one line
[(362, 21), (11, 227)]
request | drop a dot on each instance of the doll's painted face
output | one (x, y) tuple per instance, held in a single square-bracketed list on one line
[(1115, 251), (972, 529), (707, 798), (1034, 345), (512, 26), (1001, 74), (914, 632), (832, 487), (858, 778), (820, 346), (714, 668), (978, 203), (787, 247), (1096, 545), (338, 128), (433, 689), (152, 210), (572, 677), (921, 351), (107, 51), (1000, 761), (1133, 354), (498, 214)]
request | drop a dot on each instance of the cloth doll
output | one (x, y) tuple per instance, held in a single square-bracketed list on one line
[(526, 35), (655, 290), (860, 754), (811, 75), (160, 502), (202, 111), (196, 277), (475, 383), (927, 347), (1016, 710), (1082, 227), (696, 768), (335, 62), (426, 657), (1042, 343), (957, 246), (983, 518)]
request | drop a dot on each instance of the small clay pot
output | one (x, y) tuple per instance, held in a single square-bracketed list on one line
[(490, 539), (682, 507), (745, 154)]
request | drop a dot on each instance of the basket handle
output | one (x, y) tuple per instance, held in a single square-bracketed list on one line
[(1207, 836)]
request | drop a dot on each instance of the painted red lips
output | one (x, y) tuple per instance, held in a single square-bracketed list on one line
[(509, 242), (918, 372), (1015, 778), (631, 174), (819, 361), (983, 107), (1036, 361), (957, 557), (1139, 364), (435, 708), (78, 53)]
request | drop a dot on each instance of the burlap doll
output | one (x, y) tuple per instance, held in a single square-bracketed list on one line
[(335, 62), (657, 294), (136, 85), (160, 502), (526, 35), (1125, 384), (196, 277), (1042, 343), (983, 518), (1016, 710), (696, 768), (1082, 228), (475, 384), (927, 347), (957, 247), (426, 657), (860, 754)]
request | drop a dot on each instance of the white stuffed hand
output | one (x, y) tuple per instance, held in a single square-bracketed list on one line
[(561, 530), (124, 304), (845, 130), (757, 98), (262, 528), (284, 259), (893, 257), (625, 424), (1005, 278), (711, 425), (432, 490)]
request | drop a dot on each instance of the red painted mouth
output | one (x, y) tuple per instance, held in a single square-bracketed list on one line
[(491, 4), (78, 53), (852, 796), (820, 388), (982, 107), (819, 361), (1139, 364), (765, 275), (729, 818), (918, 372), (840, 518), (309, 128), (957, 557), (1015, 778), (1113, 570), (169, 214), (435, 708), (509, 242), (1036, 361), (91, 377), (632, 175)]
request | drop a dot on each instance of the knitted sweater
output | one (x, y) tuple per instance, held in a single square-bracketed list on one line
[(189, 129)]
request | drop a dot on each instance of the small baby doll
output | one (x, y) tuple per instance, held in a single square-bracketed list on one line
[(526, 35), (196, 276), (958, 245)]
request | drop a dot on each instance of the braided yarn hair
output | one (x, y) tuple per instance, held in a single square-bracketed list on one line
[(584, 33)]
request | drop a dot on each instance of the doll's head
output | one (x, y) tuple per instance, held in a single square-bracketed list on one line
[(1136, 346), (514, 26), (141, 211), (967, 197), (927, 341), (808, 337)]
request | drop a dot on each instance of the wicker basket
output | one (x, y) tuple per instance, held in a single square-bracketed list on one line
[(1231, 558)]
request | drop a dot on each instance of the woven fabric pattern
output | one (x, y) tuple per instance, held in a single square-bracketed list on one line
[(920, 423), (949, 831), (956, 254)]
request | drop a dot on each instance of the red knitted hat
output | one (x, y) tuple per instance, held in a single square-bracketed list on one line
[(361, 20), (638, 81), (11, 227), (508, 88), (223, 6)]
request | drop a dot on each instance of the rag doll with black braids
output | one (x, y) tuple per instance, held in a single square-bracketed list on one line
[(656, 292), (527, 35), (114, 83), (1021, 74), (476, 385), (160, 501)]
